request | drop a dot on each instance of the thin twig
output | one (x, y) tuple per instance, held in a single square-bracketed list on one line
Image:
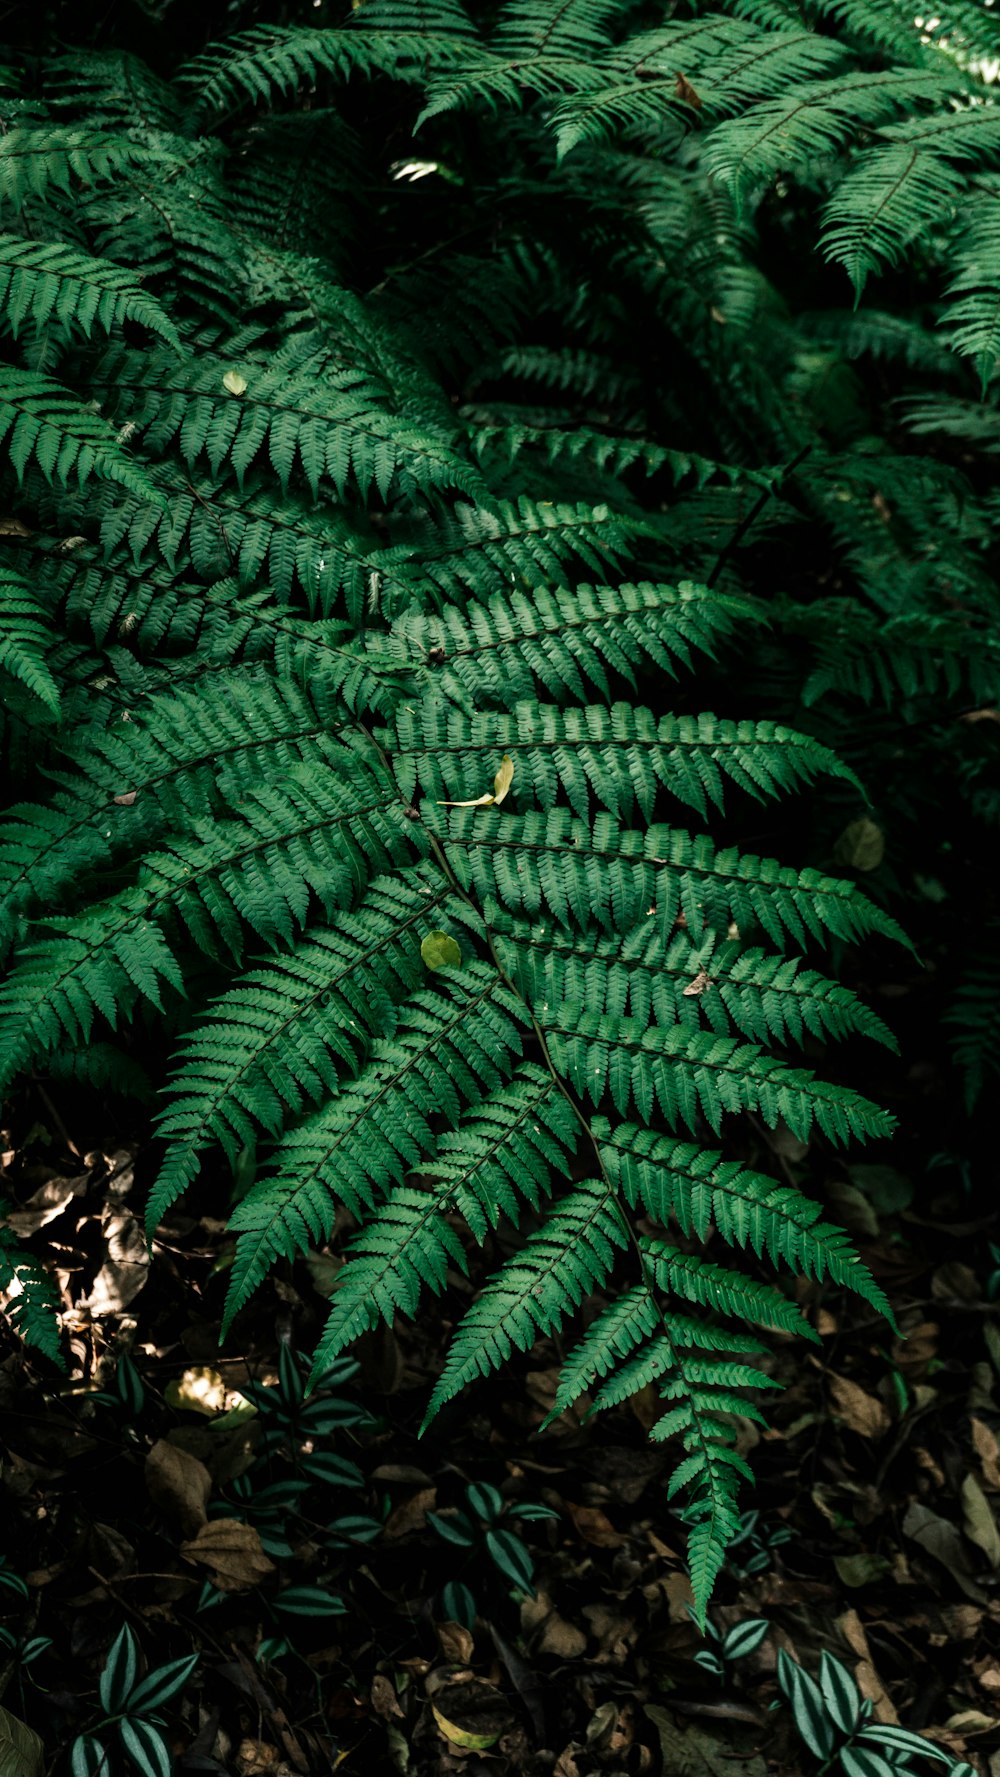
[(755, 511)]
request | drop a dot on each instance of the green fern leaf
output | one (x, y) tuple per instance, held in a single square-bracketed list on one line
[(25, 632)]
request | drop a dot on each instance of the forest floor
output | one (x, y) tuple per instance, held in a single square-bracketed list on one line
[(146, 1487)]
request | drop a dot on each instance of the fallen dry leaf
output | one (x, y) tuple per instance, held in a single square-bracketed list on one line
[(126, 1264), (456, 1642), (383, 1697), (550, 1632), (256, 1759), (943, 1541), (179, 1485), (860, 1411), (471, 1713), (226, 1448), (988, 1451), (868, 1681), (695, 1753), (979, 1522), (410, 1515), (232, 1551), (594, 1526)]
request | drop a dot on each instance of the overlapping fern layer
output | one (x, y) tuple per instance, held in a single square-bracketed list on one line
[(399, 417)]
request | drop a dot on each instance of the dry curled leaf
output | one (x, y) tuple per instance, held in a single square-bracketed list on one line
[(594, 1526), (231, 1551), (383, 1697), (980, 1524), (860, 1411), (988, 1451), (179, 1485), (471, 1713), (126, 1264), (686, 93)]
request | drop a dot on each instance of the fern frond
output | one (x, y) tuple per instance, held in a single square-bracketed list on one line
[(481, 552), (174, 220), (912, 178), (53, 287), (32, 1302), (302, 413), (281, 1037), (449, 1047), (720, 1288), (603, 876), (132, 783), (689, 1076), (298, 175), (564, 1261), (973, 320), (500, 1155), (619, 758), (253, 533), (769, 63), (43, 423), (318, 838), (268, 60), (768, 998), (112, 87), (33, 161), (974, 1018), (878, 660), (808, 121), (565, 640), (700, 1190), (25, 639)]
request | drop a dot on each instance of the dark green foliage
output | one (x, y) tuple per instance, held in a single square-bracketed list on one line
[(395, 411)]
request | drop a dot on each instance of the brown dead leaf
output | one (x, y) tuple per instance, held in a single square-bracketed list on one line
[(942, 1540), (471, 1713), (126, 1264), (48, 1202), (410, 1515), (988, 1451), (869, 1683), (614, 1633), (961, 1621), (256, 1759), (225, 1449), (200, 1389), (384, 1699), (955, 1281), (551, 1633), (594, 1526), (686, 93), (979, 1523), (456, 1642), (232, 1552), (179, 1484), (860, 1411)]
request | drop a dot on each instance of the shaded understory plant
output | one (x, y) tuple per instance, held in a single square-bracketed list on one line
[(459, 409)]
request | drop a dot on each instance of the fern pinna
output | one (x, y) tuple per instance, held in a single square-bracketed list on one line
[(401, 416)]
